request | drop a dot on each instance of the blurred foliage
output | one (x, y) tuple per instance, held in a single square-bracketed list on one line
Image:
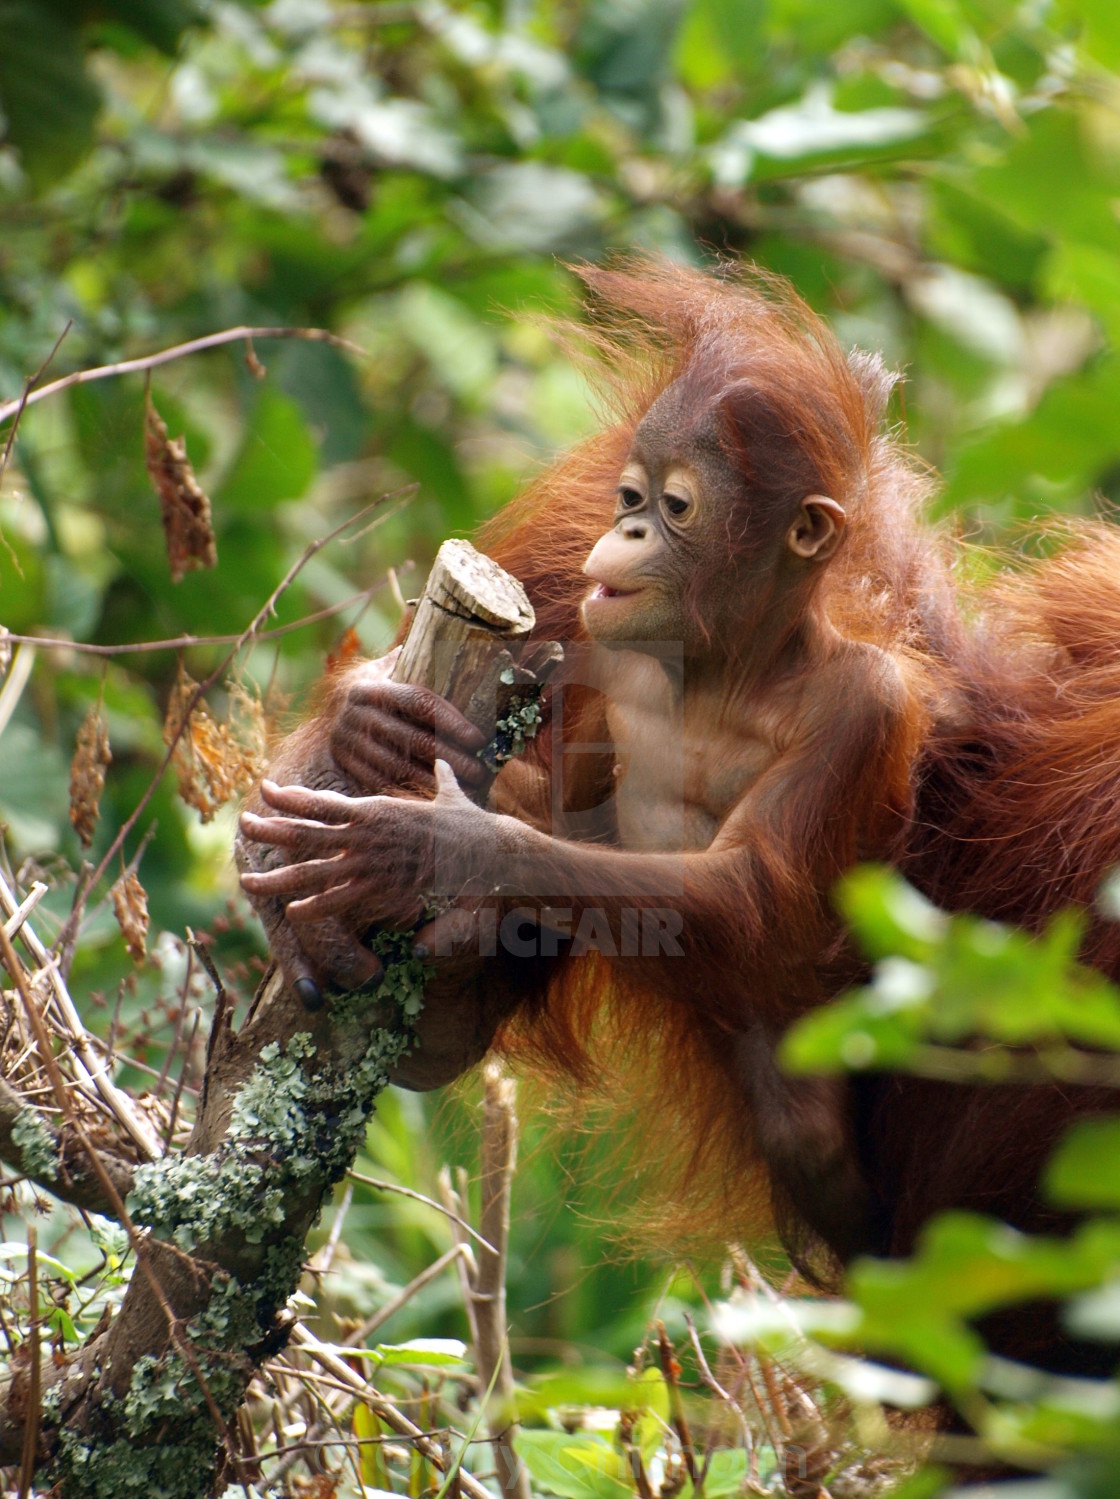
[(939, 177)]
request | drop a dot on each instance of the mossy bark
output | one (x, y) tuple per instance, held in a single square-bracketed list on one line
[(142, 1408)]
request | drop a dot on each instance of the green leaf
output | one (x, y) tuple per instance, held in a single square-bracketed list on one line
[(889, 916), (367, 1429), (966, 1265), (721, 41), (808, 132), (62, 1324), (23, 583), (1099, 22), (433, 1352), (1088, 274), (161, 22), (726, 1473), (877, 1026), (786, 1326), (48, 103), (1096, 1314), (812, 28), (277, 458), (931, 1483), (1066, 443), (944, 22), (462, 350), (599, 1386), (1084, 1171), (575, 1465), (1055, 180), (959, 977)]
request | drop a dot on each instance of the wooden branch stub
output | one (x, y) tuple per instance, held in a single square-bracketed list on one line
[(470, 611)]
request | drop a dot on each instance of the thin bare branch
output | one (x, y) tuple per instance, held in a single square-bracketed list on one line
[(487, 1285), (180, 1084), (25, 908), (139, 1243), (440, 1207), (34, 1394), (25, 399), (187, 642), (92, 1074), (402, 1298), (424, 1444), (321, 1262), (167, 356), (249, 633), (23, 658), (670, 1372)]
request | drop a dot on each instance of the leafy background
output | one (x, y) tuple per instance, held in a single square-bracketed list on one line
[(939, 177)]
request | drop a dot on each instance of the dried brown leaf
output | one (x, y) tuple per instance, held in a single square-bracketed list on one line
[(87, 774), (130, 902), (214, 761), (184, 506)]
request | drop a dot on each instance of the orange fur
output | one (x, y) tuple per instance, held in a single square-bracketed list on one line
[(1009, 777), (877, 705)]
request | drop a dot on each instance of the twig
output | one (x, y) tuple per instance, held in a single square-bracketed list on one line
[(249, 633), (417, 1283), (138, 1241), (381, 1407), (34, 1373), (180, 1084), (25, 400), (92, 1074), (316, 1432), (724, 1396), (25, 908), (187, 642), (455, 1207), (440, 1207), (487, 1283), (23, 658), (322, 1261), (180, 1019), (670, 1372), (168, 356), (200, 952), (66, 953)]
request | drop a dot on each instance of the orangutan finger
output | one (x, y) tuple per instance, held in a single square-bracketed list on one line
[(292, 832), (300, 879)]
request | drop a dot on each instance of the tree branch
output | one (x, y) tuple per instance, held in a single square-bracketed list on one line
[(166, 356), (54, 1160)]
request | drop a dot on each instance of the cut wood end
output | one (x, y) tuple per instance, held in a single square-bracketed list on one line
[(468, 582)]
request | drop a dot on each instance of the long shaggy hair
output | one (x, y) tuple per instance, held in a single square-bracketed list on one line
[(1012, 772)]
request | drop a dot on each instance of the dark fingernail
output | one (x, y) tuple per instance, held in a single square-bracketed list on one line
[(422, 951), (310, 995), (371, 985)]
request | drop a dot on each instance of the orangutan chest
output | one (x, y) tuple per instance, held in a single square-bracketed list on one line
[(678, 774)]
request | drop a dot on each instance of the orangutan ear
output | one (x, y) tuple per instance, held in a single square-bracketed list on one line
[(816, 532)]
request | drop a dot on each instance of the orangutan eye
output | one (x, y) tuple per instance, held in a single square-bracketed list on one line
[(676, 505), (629, 498)]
